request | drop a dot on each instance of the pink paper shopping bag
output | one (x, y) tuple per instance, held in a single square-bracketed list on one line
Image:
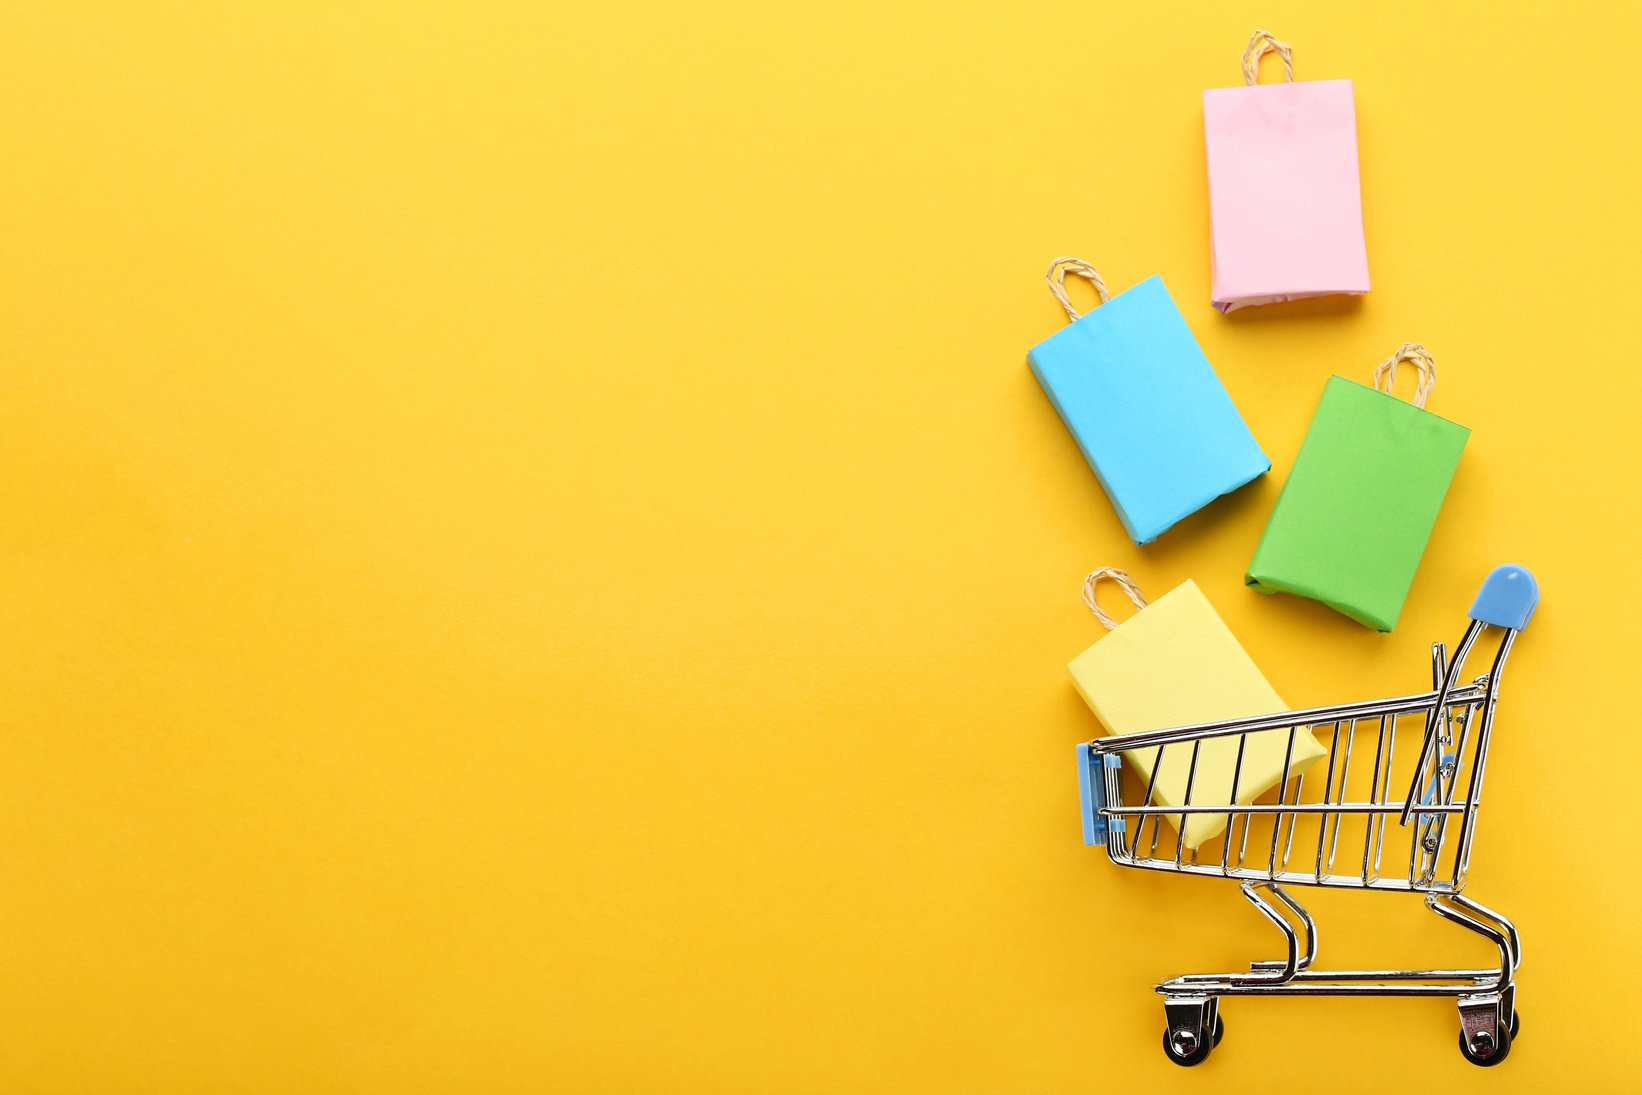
[(1285, 205)]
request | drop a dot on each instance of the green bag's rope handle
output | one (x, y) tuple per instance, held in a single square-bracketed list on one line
[(1416, 355), (1260, 44), (1057, 283), (1122, 580)]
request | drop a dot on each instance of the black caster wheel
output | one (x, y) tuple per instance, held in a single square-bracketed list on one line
[(1197, 1054), (1496, 1054), (1516, 1023)]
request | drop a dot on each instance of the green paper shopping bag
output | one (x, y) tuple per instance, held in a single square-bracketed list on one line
[(1352, 521)]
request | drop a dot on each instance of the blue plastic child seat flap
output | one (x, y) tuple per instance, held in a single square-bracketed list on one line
[(1091, 794)]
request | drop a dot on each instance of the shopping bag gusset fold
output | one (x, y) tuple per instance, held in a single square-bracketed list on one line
[(1285, 197), (1143, 404), (1175, 663), (1353, 519)]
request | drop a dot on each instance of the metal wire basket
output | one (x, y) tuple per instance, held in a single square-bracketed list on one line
[(1367, 817)]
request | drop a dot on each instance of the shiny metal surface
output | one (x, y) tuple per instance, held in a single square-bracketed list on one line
[(1341, 827)]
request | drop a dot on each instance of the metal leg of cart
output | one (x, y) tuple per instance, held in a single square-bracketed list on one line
[(1486, 997), (1488, 1020), (1191, 1004)]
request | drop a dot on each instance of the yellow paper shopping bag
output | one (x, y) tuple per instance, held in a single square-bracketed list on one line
[(1175, 663)]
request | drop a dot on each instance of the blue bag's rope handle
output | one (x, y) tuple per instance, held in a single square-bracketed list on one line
[(1056, 277)]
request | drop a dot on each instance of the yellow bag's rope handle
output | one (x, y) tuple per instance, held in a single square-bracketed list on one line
[(1057, 283), (1416, 355), (1121, 578), (1260, 44)]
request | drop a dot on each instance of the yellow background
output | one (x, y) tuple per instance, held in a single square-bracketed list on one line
[(533, 559)]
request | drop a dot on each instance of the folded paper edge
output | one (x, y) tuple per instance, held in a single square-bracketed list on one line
[(1225, 305), (1212, 499), (1270, 586)]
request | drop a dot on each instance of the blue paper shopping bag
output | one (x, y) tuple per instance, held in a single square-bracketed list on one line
[(1144, 404)]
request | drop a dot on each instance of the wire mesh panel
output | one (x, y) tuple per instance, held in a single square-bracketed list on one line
[(1391, 805)]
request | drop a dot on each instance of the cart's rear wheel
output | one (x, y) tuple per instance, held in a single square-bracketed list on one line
[(1486, 1054), (1177, 1049)]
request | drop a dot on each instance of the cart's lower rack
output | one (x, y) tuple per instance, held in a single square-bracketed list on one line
[(1486, 997), (1352, 982)]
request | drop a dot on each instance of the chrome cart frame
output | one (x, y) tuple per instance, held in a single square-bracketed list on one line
[(1435, 824)]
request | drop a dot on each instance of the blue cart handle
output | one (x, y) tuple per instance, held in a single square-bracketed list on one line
[(1508, 598)]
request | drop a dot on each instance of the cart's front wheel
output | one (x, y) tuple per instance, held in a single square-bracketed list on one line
[(1183, 1048), (1481, 1049)]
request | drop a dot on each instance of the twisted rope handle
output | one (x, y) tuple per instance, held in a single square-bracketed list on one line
[(1385, 376), (1091, 586), (1261, 43), (1057, 283)]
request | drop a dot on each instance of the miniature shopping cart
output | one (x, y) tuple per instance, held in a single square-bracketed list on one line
[(1377, 817)]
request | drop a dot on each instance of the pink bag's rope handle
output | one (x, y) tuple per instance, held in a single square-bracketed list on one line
[(1260, 44), (1091, 586), (1416, 355), (1057, 283)]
